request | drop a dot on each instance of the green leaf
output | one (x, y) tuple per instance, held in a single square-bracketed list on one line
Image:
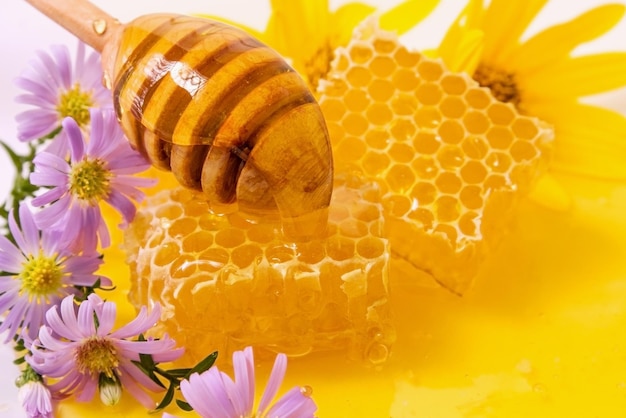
[(184, 405), (167, 399), (149, 373), (204, 365), (178, 372)]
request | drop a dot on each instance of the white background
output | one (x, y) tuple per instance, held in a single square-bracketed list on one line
[(23, 30)]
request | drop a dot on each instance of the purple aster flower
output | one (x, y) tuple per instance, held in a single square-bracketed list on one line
[(79, 350), (35, 399), (38, 271), (99, 170), (57, 90), (213, 394)]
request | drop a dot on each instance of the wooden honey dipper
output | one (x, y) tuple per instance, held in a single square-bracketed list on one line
[(224, 112)]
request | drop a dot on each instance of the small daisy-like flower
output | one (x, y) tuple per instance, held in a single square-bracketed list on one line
[(35, 399), (58, 89), (80, 350), (100, 170), (38, 271), (214, 394)]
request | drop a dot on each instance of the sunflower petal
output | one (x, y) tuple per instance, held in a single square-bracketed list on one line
[(580, 76), (504, 24), (406, 15), (558, 41), (549, 192), (345, 19), (590, 141), (467, 53)]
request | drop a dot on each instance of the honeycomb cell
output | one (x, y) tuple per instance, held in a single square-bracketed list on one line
[(426, 143), (453, 107), (230, 238), (448, 182), (426, 167), (353, 228), (361, 54), (358, 77), (500, 137), (448, 231), (403, 104), (427, 117), (351, 149), (478, 98), (245, 255), (424, 193), (424, 217), (385, 46), (430, 70), (476, 122), (377, 138), (498, 162), (475, 147), (401, 152), (380, 90), (501, 113), (213, 259), (469, 224), (524, 128), (355, 124), (400, 178), (450, 157), (473, 172), (402, 129), (169, 212), (454, 84), (523, 151), (451, 131), (280, 253), (370, 247), (182, 226), (261, 233), (447, 208), (333, 109), (405, 80), (311, 252), (404, 58), (375, 163), (495, 182), (379, 114), (429, 94), (167, 253), (197, 241), (382, 66), (354, 101), (397, 205), (340, 248), (471, 197)]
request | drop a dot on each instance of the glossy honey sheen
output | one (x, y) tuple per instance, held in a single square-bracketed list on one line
[(224, 112)]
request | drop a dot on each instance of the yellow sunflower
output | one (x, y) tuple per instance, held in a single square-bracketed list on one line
[(307, 32), (542, 78)]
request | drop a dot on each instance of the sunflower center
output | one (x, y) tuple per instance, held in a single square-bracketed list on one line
[(97, 355), (318, 65), (41, 276), (75, 103), (89, 180), (501, 84)]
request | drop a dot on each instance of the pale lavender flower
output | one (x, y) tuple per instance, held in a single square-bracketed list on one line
[(58, 89), (213, 394), (99, 170), (35, 399), (38, 271), (78, 348)]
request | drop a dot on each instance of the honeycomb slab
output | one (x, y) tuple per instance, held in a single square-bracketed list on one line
[(226, 282), (450, 159)]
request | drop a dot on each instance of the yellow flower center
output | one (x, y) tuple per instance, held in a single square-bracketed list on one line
[(89, 180), (316, 67), (501, 84), (41, 276), (97, 355), (75, 103)]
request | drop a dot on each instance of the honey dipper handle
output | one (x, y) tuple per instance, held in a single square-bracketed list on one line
[(88, 22)]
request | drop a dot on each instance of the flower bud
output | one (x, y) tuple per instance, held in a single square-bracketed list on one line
[(110, 390)]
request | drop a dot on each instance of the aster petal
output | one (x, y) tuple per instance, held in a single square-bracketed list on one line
[(61, 65), (11, 258), (106, 318), (85, 321), (274, 382), (243, 364), (123, 205), (29, 230), (18, 236), (293, 404), (31, 99), (15, 316), (76, 140), (89, 389), (135, 390), (126, 185), (207, 395), (51, 162), (140, 324), (558, 41), (56, 213), (36, 87)]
